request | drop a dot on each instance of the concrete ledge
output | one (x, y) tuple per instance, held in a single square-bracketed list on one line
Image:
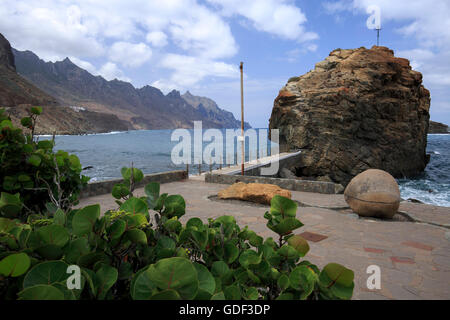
[(290, 184), (103, 187)]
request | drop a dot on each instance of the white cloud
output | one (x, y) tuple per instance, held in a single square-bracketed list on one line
[(188, 71), (130, 54), (157, 38), (84, 65), (53, 32), (203, 34), (110, 71), (278, 17)]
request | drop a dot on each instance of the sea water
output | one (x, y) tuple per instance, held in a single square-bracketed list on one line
[(150, 151)]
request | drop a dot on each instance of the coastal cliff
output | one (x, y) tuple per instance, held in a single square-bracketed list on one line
[(437, 127), (358, 109), (139, 108)]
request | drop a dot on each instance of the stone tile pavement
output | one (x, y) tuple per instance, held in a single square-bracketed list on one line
[(414, 258)]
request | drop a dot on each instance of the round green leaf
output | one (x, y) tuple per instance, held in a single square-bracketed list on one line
[(283, 206), (15, 265), (175, 273), (205, 279), (53, 234), (283, 282), (41, 292), (303, 278), (84, 220), (231, 252), (174, 205), (137, 236), (75, 250), (117, 229), (300, 244), (47, 273), (134, 206), (249, 257), (142, 288), (285, 226), (166, 295), (105, 278)]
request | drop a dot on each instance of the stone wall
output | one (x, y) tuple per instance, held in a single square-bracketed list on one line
[(290, 184), (103, 187)]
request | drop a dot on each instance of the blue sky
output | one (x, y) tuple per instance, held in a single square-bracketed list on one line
[(197, 45)]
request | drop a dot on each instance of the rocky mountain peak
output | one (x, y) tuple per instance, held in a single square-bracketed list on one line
[(174, 94), (6, 55)]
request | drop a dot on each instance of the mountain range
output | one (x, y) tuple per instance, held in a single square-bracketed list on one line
[(73, 93)]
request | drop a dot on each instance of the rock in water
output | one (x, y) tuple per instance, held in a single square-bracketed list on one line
[(254, 192), (373, 193), (358, 109)]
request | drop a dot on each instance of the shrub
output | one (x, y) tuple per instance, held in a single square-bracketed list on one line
[(31, 169), (142, 251)]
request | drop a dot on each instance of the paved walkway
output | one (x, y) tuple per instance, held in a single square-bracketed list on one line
[(414, 257)]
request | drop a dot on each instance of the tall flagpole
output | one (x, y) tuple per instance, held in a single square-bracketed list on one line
[(242, 120)]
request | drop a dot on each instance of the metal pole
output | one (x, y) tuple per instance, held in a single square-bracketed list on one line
[(242, 118), (378, 37)]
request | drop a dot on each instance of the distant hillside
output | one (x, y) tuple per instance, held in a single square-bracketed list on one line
[(144, 108), (437, 127), (209, 109), (14, 89), (17, 95)]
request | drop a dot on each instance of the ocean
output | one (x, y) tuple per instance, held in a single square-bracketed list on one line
[(150, 150)]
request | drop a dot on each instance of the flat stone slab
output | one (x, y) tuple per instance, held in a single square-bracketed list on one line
[(414, 258), (427, 213)]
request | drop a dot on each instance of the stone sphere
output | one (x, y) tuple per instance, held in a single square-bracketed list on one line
[(373, 193)]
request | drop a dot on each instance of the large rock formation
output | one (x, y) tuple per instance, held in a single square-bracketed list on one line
[(358, 109)]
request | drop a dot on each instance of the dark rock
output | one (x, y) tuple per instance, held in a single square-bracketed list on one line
[(140, 108), (437, 127), (6, 55), (358, 109)]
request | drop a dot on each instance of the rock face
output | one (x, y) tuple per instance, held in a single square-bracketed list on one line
[(437, 127), (14, 89), (140, 108), (6, 55), (373, 193), (254, 192), (358, 109)]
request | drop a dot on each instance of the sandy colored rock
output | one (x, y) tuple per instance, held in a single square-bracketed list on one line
[(373, 193), (254, 192), (358, 109)]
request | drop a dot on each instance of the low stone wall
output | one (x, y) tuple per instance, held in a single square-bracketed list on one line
[(103, 187), (290, 184)]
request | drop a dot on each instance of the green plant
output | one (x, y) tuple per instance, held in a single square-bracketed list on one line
[(31, 169), (142, 251)]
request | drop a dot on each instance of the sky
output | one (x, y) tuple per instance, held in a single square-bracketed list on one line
[(197, 45)]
